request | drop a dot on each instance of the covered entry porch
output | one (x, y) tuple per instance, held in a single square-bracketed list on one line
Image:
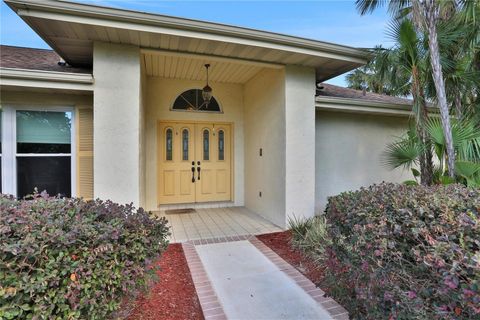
[(204, 224)]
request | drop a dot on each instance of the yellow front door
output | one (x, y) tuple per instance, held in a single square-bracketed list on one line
[(194, 162)]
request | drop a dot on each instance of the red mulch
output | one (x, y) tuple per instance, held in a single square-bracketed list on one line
[(174, 295), (280, 243)]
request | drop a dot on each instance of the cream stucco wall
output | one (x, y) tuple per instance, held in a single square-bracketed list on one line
[(349, 151), (161, 93), (117, 123), (265, 129), (300, 142)]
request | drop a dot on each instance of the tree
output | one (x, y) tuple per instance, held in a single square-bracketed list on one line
[(430, 12), (425, 14), (366, 78), (405, 68)]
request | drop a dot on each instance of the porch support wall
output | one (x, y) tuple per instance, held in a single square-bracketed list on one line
[(265, 129), (117, 123), (300, 142)]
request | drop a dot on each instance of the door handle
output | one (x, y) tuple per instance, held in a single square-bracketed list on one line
[(193, 174), (198, 170)]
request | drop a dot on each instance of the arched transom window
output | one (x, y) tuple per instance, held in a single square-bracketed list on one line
[(192, 100)]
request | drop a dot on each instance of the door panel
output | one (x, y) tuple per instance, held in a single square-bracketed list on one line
[(175, 154), (208, 146), (214, 151)]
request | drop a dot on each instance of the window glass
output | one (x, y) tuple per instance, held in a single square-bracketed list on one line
[(52, 174), (206, 145), (185, 144), (221, 145), (169, 144), (43, 132), (192, 100), (43, 140)]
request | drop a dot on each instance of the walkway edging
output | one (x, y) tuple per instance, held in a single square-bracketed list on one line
[(331, 306), (211, 306)]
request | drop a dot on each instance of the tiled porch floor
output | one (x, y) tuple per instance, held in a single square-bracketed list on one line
[(216, 222)]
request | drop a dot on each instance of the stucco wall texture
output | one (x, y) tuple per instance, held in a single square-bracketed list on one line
[(349, 152), (117, 123)]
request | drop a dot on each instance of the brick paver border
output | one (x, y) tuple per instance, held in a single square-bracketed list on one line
[(211, 306), (336, 310)]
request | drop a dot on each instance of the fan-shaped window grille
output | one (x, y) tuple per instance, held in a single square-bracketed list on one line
[(192, 100)]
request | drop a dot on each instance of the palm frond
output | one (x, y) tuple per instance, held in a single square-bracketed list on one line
[(402, 153)]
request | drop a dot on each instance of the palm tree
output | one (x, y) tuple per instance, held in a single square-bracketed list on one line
[(426, 15), (405, 68), (405, 152), (366, 79)]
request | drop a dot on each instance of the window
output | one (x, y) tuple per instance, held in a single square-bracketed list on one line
[(169, 144), (185, 144), (43, 152), (221, 145), (206, 145), (192, 100), (37, 151)]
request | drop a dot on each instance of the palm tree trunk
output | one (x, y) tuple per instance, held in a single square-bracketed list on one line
[(431, 12), (421, 117), (458, 105)]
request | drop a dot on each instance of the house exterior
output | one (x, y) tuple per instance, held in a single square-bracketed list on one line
[(116, 112)]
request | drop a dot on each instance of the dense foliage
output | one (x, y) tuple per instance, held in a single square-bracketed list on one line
[(70, 259), (400, 252)]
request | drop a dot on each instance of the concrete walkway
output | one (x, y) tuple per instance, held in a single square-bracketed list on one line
[(246, 280)]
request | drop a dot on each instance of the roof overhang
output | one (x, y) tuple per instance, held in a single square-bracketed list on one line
[(50, 80), (71, 28), (360, 106)]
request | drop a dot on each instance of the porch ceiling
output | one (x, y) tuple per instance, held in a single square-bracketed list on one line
[(71, 28), (192, 67)]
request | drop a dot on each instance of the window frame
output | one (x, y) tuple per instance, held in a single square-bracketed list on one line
[(9, 146)]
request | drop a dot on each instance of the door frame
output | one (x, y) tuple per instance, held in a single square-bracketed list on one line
[(232, 152)]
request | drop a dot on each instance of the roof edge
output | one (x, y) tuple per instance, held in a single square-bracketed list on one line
[(138, 17), (48, 76)]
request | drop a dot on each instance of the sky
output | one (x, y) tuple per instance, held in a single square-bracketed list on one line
[(331, 21)]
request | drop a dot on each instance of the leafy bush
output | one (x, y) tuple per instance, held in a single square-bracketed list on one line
[(400, 252), (70, 259)]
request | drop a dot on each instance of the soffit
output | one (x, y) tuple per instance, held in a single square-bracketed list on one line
[(174, 66), (71, 28)]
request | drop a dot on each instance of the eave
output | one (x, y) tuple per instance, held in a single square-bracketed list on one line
[(39, 79), (361, 106), (71, 28)]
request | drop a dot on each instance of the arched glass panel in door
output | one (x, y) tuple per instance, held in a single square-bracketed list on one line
[(169, 144), (206, 144), (221, 145), (192, 100), (185, 144)]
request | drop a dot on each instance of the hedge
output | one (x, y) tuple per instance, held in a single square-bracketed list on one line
[(70, 258), (400, 252)]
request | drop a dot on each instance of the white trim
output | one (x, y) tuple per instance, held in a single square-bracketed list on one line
[(46, 79), (46, 75), (9, 163), (40, 155), (135, 20)]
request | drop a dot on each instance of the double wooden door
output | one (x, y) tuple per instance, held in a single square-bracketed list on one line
[(194, 162)]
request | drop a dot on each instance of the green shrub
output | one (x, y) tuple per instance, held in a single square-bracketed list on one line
[(400, 252), (70, 259)]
